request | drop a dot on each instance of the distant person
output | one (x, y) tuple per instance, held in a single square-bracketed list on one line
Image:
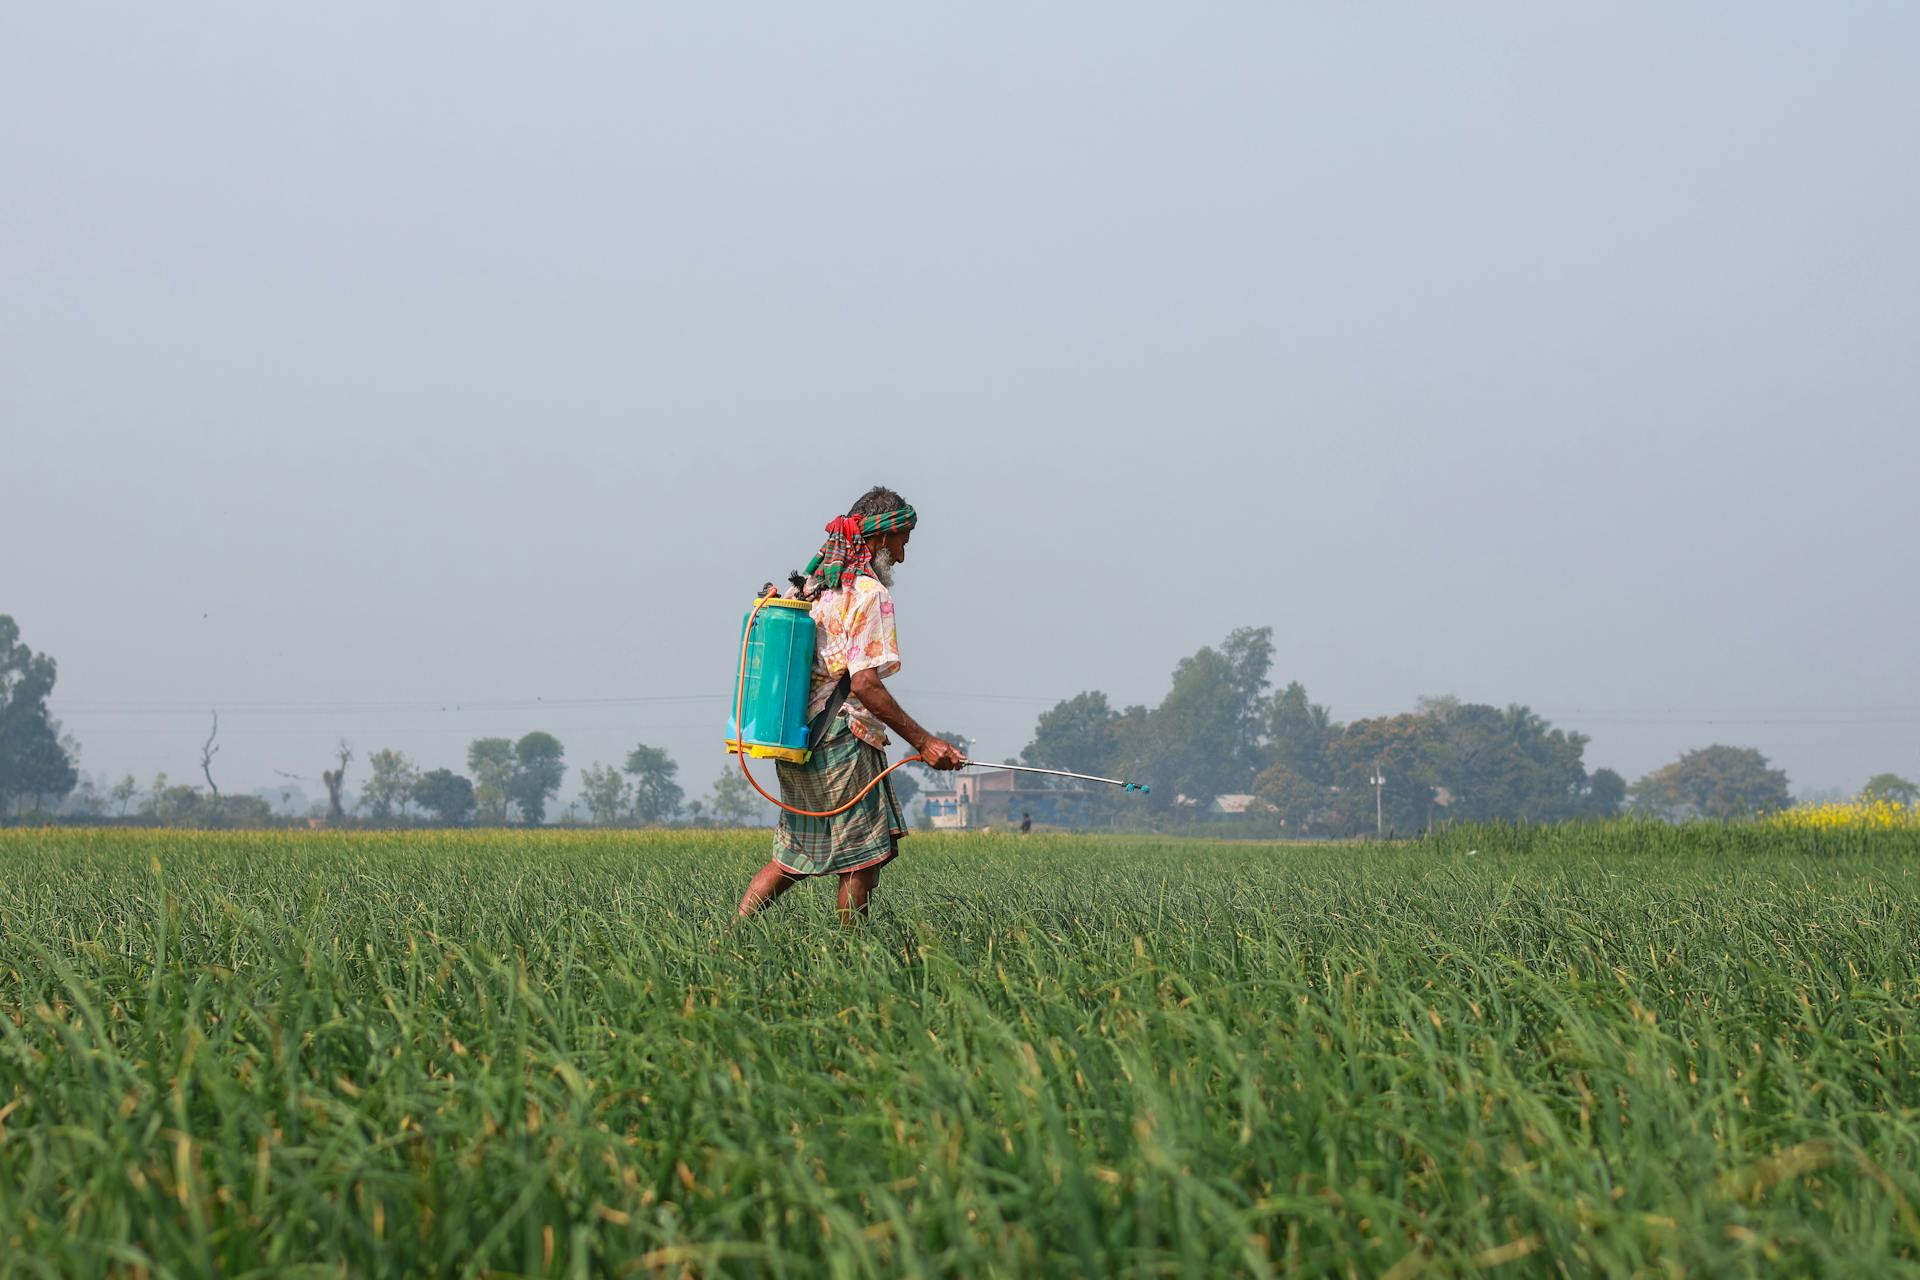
[(855, 649), (1026, 824)]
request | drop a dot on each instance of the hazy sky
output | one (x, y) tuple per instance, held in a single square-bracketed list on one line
[(408, 374)]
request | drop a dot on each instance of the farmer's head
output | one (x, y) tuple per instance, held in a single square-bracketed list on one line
[(889, 546), (871, 538)]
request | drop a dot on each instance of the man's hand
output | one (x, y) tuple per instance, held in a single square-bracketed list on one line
[(940, 754)]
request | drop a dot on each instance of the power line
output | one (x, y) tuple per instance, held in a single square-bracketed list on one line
[(89, 708), (197, 707), (448, 706)]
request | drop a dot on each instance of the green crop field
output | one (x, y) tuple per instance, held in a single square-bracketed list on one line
[(1565, 1051)]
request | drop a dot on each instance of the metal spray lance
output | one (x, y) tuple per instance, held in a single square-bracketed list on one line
[(1060, 773)]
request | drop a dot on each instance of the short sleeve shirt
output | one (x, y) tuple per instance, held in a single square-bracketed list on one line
[(853, 632)]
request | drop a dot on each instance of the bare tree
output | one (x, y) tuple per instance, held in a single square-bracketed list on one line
[(336, 779), (207, 752)]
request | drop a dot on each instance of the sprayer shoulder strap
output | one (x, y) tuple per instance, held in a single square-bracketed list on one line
[(817, 727)]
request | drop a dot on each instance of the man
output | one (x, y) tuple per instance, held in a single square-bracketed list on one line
[(849, 583)]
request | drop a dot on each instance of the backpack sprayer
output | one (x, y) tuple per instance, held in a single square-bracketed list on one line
[(769, 720)]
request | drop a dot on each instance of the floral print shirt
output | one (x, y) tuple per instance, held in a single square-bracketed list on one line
[(853, 632)]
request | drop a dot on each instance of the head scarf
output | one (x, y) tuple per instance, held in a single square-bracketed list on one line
[(846, 553)]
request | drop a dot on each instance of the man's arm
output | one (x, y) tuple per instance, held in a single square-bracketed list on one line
[(873, 695)]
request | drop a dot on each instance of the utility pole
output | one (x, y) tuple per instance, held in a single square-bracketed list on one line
[(1379, 781)]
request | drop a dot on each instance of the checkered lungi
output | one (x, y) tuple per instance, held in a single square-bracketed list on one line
[(866, 835)]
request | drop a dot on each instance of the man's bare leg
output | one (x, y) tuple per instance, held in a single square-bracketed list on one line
[(855, 888), (768, 883)]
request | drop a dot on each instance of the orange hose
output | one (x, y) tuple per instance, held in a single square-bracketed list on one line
[(739, 729)]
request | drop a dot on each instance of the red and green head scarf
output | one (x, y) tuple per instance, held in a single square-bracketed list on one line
[(846, 553)]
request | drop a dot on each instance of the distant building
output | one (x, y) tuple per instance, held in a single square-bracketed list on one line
[(944, 809), (979, 800), (1239, 804), (1227, 804)]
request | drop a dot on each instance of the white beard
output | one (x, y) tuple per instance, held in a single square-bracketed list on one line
[(883, 567)]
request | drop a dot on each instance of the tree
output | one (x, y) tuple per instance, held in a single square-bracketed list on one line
[(445, 794), (656, 796), (1606, 792), (539, 767), (183, 806), (233, 811), (1075, 734), (392, 783), (1399, 748), (1206, 732), (207, 752), (1297, 798), (335, 780), (492, 762), (1249, 657), (1085, 734), (603, 789), (123, 793), (734, 802), (1297, 733), (1506, 765), (173, 806), (1713, 782), (1890, 788), (1133, 758), (45, 766), (34, 761)]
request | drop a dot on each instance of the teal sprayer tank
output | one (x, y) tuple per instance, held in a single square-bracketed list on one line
[(779, 674)]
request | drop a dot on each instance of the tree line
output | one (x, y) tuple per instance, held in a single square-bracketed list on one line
[(517, 781), (507, 780), (1222, 730), (511, 783)]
